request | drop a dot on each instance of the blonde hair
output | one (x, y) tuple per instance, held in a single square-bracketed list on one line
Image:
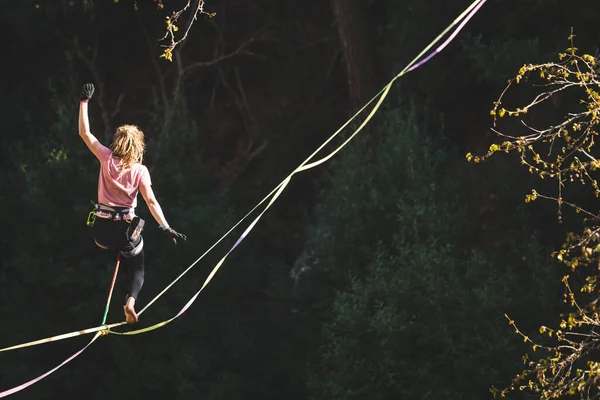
[(129, 145)]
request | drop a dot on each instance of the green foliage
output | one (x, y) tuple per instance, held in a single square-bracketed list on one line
[(491, 62), (420, 310)]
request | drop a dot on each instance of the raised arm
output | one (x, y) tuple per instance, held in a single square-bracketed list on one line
[(84, 123)]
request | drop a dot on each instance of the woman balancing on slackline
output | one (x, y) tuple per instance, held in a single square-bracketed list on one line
[(122, 176)]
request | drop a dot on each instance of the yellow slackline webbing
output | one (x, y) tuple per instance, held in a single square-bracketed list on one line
[(277, 191), (303, 167), (210, 276), (439, 37), (300, 168), (102, 329), (281, 187), (22, 386)]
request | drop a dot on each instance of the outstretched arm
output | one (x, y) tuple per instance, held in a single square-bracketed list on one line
[(156, 211), (153, 205), (84, 123)]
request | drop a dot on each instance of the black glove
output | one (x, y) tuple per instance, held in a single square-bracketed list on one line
[(87, 91), (174, 235)]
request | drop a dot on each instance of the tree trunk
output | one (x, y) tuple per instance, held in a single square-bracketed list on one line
[(356, 50)]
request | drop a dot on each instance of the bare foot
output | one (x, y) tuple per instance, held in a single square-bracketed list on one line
[(130, 314)]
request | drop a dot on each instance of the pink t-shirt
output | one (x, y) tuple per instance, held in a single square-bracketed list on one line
[(118, 188)]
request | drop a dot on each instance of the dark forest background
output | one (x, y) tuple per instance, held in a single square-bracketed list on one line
[(383, 274)]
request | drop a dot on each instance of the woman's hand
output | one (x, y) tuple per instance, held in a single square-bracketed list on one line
[(173, 234), (87, 91)]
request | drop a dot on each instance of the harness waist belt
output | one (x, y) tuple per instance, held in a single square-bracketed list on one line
[(114, 213)]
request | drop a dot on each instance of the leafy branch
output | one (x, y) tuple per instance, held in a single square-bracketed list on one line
[(194, 11), (565, 152), (194, 8)]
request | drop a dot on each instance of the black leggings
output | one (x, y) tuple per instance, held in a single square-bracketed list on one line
[(111, 235)]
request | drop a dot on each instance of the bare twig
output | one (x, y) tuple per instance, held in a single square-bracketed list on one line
[(171, 80), (197, 8)]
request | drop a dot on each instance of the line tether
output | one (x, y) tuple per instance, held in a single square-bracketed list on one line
[(103, 329)]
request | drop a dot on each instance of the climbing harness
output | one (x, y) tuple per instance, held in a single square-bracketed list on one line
[(100, 210), (135, 229), (136, 249), (133, 232), (113, 213)]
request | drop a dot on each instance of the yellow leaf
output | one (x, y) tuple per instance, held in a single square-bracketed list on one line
[(168, 54)]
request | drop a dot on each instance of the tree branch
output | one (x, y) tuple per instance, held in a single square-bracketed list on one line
[(197, 8)]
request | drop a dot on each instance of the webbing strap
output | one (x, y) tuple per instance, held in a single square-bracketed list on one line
[(273, 195), (39, 378), (469, 12), (466, 15), (102, 329), (213, 272), (104, 207), (99, 332), (110, 291)]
